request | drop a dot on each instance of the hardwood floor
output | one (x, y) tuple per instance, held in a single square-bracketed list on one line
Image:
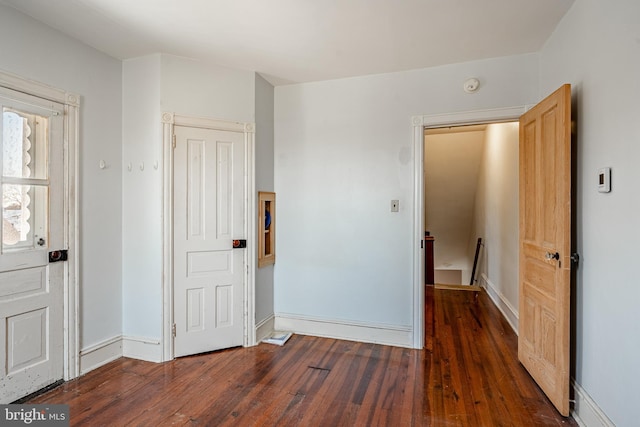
[(468, 376)]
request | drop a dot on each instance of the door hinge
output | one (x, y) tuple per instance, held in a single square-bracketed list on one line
[(173, 330), (174, 141), (575, 258)]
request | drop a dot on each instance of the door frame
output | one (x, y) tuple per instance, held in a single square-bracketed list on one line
[(71, 122), (169, 121), (419, 124)]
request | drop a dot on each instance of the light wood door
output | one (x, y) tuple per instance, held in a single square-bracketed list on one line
[(545, 245), (209, 204), (31, 289)]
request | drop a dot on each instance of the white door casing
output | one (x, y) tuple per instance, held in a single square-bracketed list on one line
[(36, 336), (175, 265), (419, 123)]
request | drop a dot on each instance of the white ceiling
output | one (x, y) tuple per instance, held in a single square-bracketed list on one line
[(290, 41)]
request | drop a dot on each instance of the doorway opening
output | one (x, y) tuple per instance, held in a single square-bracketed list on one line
[(544, 259), (471, 192), (236, 309), (419, 124)]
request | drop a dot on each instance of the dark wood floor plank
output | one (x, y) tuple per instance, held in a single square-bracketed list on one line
[(334, 405), (468, 375), (291, 385), (171, 405)]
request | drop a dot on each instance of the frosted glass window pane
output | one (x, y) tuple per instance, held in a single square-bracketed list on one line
[(24, 145), (24, 210)]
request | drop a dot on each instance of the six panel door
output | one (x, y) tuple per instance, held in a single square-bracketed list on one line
[(209, 200)]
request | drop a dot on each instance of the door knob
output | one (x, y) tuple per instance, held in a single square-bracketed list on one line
[(550, 256)]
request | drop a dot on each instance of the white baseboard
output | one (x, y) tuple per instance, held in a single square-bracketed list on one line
[(399, 336), (100, 354), (142, 348), (586, 412), (509, 312), (265, 327)]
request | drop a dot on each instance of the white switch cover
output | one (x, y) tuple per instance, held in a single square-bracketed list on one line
[(395, 205), (604, 180)]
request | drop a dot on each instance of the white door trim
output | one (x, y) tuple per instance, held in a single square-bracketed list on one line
[(71, 104), (419, 123), (169, 120)]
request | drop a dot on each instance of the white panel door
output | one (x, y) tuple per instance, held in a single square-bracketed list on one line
[(209, 203), (31, 289)]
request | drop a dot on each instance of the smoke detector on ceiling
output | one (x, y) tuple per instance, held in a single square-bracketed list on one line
[(471, 85)]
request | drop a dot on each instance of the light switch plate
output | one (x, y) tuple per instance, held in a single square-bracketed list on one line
[(395, 205), (604, 180)]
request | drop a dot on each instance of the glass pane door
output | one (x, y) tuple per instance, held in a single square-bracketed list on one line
[(25, 184)]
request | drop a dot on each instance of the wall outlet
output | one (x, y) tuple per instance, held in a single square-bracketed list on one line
[(395, 205)]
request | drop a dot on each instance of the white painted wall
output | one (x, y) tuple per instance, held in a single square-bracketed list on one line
[(343, 150), (196, 88), (496, 213), (142, 198), (152, 85), (34, 51), (264, 182), (596, 47), (449, 277), (451, 165)]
